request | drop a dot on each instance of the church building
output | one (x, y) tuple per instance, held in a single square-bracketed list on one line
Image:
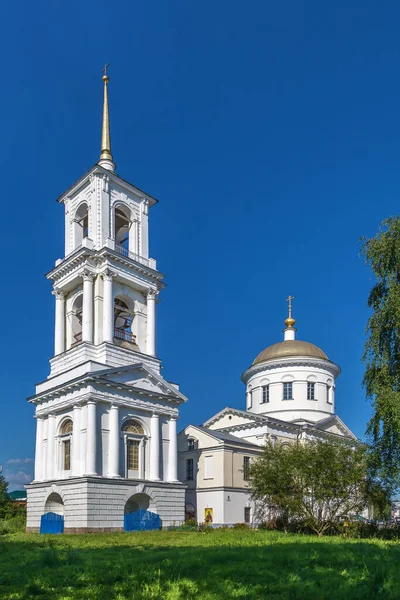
[(290, 395), (107, 447), (106, 441)]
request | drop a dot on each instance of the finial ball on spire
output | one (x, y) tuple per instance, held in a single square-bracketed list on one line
[(290, 321)]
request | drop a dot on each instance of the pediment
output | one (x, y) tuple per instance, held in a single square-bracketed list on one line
[(335, 425), (139, 377), (229, 417)]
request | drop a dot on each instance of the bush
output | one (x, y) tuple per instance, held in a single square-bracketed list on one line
[(12, 525), (241, 526), (190, 523)]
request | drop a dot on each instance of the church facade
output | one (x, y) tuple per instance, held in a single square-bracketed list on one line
[(290, 396), (106, 440), (106, 419)]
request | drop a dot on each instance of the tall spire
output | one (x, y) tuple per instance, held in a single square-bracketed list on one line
[(290, 331), (106, 159)]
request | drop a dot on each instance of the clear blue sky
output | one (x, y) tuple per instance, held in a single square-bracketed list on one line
[(269, 131)]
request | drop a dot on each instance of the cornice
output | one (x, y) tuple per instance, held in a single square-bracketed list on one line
[(277, 364), (114, 178), (102, 398), (95, 382)]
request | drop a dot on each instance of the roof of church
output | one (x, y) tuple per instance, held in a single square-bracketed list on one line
[(290, 348)]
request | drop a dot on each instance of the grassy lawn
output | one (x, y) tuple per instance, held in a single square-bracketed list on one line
[(208, 566)]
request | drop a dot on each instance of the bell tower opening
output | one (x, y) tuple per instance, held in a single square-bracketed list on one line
[(81, 224), (122, 227)]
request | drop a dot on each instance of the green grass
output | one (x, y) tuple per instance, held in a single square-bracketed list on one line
[(174, 565)]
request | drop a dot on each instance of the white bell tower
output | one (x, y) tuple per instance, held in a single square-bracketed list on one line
[(106, 285), (106, 419)]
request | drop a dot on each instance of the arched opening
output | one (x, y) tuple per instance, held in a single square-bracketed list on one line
[(54, 504), (76, 321), (81, 224), (137, 502), (140, 514), (134, 442), (65, 434), (123, 320), (122, 225)]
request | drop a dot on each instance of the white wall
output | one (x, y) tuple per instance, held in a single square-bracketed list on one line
[(298, 372)]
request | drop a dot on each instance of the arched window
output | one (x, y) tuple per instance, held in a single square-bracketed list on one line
[(133, 433), (123, 317), (122, 225), (76, 321), (132, 426), (66, 435), (66, 427), (81, 224), (249, 397)]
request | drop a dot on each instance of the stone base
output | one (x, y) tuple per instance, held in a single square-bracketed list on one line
[(97, 504)]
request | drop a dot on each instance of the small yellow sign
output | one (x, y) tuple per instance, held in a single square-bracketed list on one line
[(208, 515)]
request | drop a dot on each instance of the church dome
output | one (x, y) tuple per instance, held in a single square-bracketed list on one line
[(290, 348)]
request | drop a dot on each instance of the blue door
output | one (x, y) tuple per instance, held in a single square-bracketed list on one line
[(52, 523), (141, 520)]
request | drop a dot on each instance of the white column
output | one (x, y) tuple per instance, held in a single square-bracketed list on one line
[(151, 322), (59, 333), (91, 438), (97, 307), (51, 435), (155, 448), (172, 452), (142, 447), (87, 309), (108, 308), (76, 442), (39, 458), (113, 441)]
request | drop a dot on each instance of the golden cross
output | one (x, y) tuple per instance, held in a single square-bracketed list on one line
[(105, 68), (289, 300)]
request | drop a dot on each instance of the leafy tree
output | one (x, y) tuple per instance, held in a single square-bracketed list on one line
[(382, 352), (4, 497), (316, 482)]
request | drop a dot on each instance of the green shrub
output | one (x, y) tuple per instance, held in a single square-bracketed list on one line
[(12, 525), (241, 526)]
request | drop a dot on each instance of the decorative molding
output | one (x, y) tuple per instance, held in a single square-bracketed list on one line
[(152, 294), (108, 275), (59, 295)]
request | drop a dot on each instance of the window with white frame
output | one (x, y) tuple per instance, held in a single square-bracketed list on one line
[(133, 433), (208, 464), (190, 444), (265, 394), (246, 468), (247, 514), (189, 469), (288, 390), (66, 430), (310, 390)]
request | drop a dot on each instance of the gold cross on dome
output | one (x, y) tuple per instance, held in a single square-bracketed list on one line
[(105, 68), (289, 301)]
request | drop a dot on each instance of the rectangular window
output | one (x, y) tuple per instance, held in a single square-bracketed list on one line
[(190, 444), (133, 455), (189, 469), (67, 455), (310, 391), (265, 393), (247, 514), (246, 467), (208, 467), (288, 391)]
